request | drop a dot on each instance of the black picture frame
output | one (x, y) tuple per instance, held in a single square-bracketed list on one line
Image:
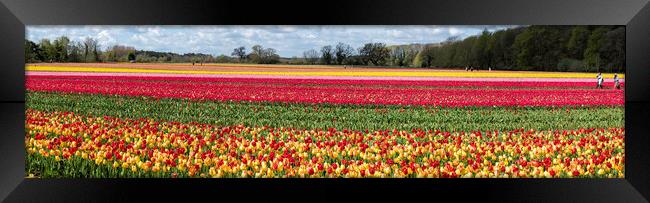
[(634, 14)]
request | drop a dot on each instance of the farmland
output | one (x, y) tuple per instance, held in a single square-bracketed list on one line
[(224, 120)]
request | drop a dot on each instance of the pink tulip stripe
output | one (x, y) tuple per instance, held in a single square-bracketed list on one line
[(381, 78)]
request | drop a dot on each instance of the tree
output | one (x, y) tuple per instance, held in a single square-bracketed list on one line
[(498, 48), (75, 52), (398, 56), (577, 42), (327, 55), (508, 40), (480, 53), (96, 53), (256, 54), (239, 52), (60, 46), (311, 56), (48, 50), (342, 53), (524, 47), (90, 50), (550, 47), (32, 52), (451, 39), (409, 54), (263, 56), (463, 53), (374, 53), (592, 52), (119, 53), (426, 57), (225, 59), (270, 56), (131, 56), (612, 50), (502, 52), (446, 52)]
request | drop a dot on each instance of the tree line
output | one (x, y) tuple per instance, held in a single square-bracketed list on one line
[(538, 48), (62, 49)]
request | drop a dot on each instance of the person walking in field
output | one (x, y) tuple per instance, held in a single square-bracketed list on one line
[(617, 83), (600, 81)]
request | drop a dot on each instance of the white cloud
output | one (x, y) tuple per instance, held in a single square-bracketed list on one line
[(105, 39), (455, 31), (287, 40)]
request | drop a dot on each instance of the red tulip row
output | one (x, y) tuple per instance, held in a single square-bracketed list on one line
[(334, 91)]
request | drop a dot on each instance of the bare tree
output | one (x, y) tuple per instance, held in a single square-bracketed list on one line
[(90, 52), (327, 55), (342, 53), (75, 52), (311, 56)]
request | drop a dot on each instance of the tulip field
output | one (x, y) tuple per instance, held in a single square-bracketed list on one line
[(225, 121)]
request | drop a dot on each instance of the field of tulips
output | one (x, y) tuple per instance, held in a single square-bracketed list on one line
[(445, 94), (66, 144), (102, 124), (324, 116)]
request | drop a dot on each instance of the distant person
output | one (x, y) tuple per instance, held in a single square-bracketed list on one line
[(600, 81), (489, 68), (617, 83), (466, 69), (192, 63)]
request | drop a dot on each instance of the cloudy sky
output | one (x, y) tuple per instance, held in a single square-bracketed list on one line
[(287, 40)]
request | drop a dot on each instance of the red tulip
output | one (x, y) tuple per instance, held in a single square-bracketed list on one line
[(576, 173)]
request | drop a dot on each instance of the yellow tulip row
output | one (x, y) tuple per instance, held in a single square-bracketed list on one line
[(502, 74)]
